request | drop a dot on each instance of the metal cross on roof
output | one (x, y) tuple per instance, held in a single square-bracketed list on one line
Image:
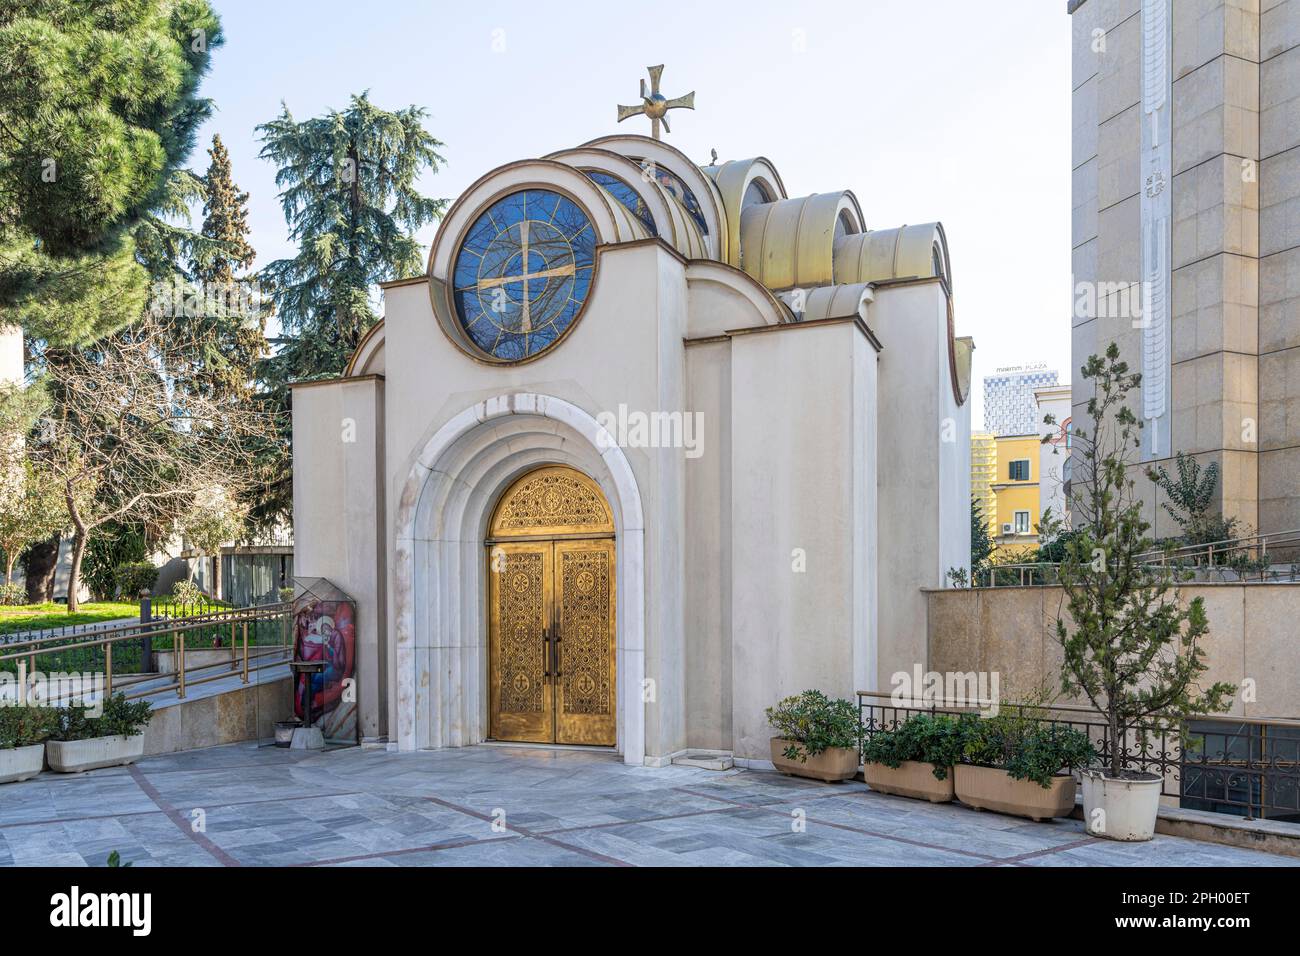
[(655, 105)]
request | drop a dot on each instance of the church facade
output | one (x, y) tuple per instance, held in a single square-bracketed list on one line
[(650, 446)]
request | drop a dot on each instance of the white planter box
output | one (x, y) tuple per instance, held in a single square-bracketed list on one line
[(21, 763), (74, 756)]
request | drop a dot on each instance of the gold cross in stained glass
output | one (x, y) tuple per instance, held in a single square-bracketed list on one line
[(655, 105), (525, 319)]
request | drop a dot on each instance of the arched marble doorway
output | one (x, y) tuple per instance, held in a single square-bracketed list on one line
[(551, 611), (439, 661)]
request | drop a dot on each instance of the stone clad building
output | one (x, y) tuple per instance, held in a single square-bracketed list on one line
[(1186, 167), (650, 446)]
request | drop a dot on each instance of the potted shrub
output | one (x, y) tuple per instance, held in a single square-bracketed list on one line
[(1013, 764), (915, 758), (23, 731), (818, 737), (114, 738), (1131, 649)]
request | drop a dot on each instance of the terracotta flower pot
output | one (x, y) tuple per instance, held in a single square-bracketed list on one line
[(832, 765), (988, 788), (911, 778)]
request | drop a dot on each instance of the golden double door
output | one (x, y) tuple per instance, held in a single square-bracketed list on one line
[(551, 588)]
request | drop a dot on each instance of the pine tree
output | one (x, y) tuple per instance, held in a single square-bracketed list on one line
[(349, 197), (1130, 646), (99, 107)]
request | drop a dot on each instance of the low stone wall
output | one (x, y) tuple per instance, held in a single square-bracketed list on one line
[(1254, 635), (245, 713)]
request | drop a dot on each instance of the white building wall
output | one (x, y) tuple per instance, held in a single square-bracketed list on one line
[(338, 504), (924, 473), (798, 453)]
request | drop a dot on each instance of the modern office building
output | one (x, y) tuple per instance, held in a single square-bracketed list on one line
[(1009, 406), (1186, 235)]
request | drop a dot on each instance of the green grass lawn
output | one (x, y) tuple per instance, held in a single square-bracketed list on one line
[(26, 617)]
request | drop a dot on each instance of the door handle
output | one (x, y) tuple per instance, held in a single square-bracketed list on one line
[(555, 646), (546, 653)]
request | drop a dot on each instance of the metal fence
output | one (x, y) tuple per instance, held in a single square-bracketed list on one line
[(244, 639), (1257, 559), (1248, 767)]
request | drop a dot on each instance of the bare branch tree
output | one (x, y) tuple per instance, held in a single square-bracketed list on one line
[(125, 440)]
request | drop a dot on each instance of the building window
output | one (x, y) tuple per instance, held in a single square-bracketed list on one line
[(1022, 522), (1020, 469)]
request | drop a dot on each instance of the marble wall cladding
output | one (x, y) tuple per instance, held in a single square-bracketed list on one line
[(1279, 488), (1118, 166), (1216, 401), (1011, 631), (1084, 214), (1280, 269), (1279, 27), (1215, 307), (1279, 300), (1205, 29), (1083, 268), (1239, 486), (1279, 400), (1083, 122), (1216, 210), (245, 713), (1119, 69), (1119, 242), (1216, 110), (1279, 102), (1279, 202)]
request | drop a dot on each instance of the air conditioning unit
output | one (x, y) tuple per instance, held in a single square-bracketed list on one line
[(1006, 529)]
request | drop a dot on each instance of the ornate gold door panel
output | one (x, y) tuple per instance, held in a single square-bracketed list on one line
[(551, 611), (584, 642), (519, 584)]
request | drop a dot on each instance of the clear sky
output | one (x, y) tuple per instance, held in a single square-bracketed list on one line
[(926, 109)]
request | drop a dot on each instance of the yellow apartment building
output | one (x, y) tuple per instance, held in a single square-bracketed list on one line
[(1015, 488)]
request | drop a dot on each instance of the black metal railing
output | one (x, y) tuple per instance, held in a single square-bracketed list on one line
[(1247, 767), (1256, 559)]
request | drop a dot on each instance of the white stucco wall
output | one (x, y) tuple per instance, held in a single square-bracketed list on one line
[(924, 477), (338, 509), (800, 453)]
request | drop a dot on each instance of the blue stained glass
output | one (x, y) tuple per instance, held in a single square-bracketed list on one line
[(626, 195), (679, 190), (523, 272)]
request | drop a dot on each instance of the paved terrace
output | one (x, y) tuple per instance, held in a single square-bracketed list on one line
[(358, 807)]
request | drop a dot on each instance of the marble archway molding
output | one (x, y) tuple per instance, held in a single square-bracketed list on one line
[(439, 586)]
